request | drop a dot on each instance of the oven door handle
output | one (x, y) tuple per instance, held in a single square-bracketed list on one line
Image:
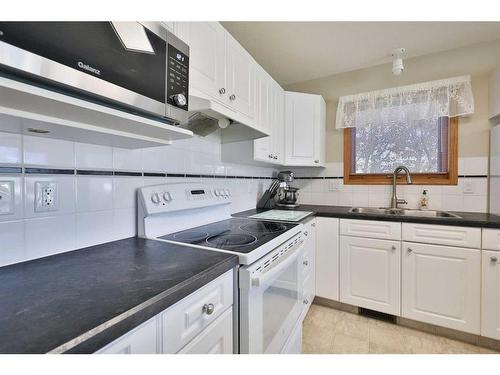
[(277, 267)]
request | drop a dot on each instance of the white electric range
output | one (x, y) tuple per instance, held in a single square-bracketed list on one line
[(269, 285)]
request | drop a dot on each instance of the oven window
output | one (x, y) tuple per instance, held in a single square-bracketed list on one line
[(278, 304)]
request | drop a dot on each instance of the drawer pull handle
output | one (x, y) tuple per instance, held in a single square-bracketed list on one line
[(306, 302), (232, 97), (222, 91), (494, 259), (306, 233), (208, 308), (409, 251), (305, 262)]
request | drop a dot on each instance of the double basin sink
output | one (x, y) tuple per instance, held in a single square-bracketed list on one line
[(402, 212)]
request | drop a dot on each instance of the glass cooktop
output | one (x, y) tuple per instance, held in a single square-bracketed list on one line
[(235, 234)]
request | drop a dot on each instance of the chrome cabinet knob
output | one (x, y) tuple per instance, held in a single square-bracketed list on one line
[(222, 91), (393, 248), (275, 157), (208, 308), (270, 156), (305, 263), (179, 99), (316, 161), (409, 250), (494, 259), (232, 97), (306, 233), (306, 302), (313, 225)]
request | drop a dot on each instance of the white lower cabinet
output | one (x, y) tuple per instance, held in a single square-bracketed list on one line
[(199, 323), (441, 285), (141, 340), (490, 316), (327, 258), (216, 339), (370, 272)]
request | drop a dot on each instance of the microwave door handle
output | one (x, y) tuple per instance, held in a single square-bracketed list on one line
[(271, 272), (133, 37)]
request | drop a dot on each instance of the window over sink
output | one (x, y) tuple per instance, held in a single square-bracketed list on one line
[(428, 149)]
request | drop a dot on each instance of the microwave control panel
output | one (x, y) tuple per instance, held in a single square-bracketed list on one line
[(177, 78)]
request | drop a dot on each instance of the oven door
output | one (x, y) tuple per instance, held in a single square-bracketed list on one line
[(270, 299)]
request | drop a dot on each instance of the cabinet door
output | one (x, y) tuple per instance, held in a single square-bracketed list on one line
[(217, 338), (263, 147), (490, 319), (327, 258), (278, 123), (240, 70), (141, 340), (441, 285), (207, 57), (370, 273)]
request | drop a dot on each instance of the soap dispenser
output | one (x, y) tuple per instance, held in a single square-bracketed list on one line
[(424, 201)]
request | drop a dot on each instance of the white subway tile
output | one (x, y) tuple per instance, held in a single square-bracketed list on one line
[(360, 199), (124, 223), (65, 194), (125, 191), (476, 166), (475, 203), (90, 156), (345, 199), (48, 152), (49, 235), (128, 160), (94, 193), (453, 203), (18, 197), (12, 242), (94, 228), (11, 148)]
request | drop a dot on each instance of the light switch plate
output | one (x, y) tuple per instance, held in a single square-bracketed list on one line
[(6, 197), (46, 197)]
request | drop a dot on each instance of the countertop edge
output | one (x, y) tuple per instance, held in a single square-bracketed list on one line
[(107, 332)]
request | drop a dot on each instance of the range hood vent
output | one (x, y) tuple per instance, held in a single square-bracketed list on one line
[(207, 116)]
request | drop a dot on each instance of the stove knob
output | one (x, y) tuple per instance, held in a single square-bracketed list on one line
[(179, 100), (155, 198), (167, 197)]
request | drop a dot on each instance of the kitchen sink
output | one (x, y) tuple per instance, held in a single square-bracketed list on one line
[(402, 212)]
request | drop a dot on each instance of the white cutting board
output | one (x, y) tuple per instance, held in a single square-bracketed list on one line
[(282, 215)]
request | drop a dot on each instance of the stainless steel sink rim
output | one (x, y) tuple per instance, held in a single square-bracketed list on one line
[(404, 212)]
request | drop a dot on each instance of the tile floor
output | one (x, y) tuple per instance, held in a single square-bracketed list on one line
[(327, 330)]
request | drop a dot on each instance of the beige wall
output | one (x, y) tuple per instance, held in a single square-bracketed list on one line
[(478, 61)]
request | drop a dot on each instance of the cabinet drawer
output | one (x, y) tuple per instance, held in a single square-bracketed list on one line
[(442, 235), (217, 338), (385, 230), (141, 340), (186, 319), (491, 239)]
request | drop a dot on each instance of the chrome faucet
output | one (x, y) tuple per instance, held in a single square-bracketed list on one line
[(394, 200)]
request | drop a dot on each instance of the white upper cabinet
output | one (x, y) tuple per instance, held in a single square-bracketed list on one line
[(207, 59), (240, 76), (305, 117)]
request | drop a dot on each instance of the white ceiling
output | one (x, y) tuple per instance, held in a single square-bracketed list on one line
[(299, 51)]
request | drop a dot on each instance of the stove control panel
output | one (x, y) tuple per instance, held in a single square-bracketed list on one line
[(181, 196)]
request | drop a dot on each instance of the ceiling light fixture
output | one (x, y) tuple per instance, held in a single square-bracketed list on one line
[(397, 61)]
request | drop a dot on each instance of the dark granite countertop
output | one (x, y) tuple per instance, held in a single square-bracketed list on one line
[(467, 219), (53, 303)]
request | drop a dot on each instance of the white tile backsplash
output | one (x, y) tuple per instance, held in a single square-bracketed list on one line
[(94, 193), (93, 228), (93, 156), (10, 148), (95, 209), (12, 242), (48, 152)]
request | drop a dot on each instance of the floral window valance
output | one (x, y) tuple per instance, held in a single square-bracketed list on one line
[(407, 104)]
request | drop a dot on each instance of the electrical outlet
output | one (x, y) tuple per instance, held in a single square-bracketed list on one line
[(46, 196), (469, 187), (6, 197)]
